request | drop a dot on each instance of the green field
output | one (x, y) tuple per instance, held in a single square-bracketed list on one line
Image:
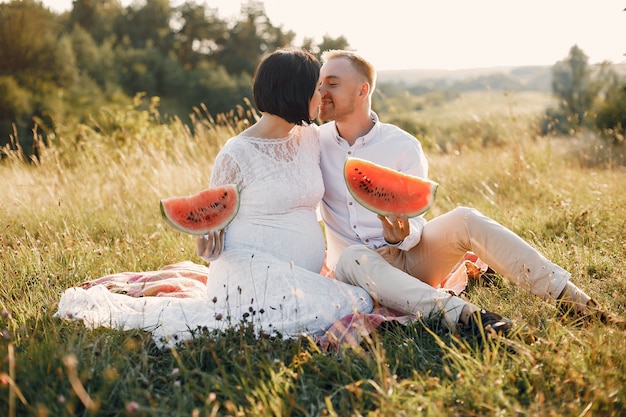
[(88, 207)]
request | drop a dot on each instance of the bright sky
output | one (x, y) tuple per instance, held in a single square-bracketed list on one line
[(449, 34)]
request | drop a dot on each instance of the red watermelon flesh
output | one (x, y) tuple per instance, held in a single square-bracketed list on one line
[(209, 210), (386, 191)]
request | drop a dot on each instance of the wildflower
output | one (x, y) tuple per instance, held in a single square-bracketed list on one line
[(131, 407)]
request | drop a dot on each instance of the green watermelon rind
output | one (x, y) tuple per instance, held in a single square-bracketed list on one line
[(204, 231), (433, 191), (390, 213)]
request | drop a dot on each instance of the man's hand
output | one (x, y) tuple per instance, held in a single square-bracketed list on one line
[(395, 228), (209, 247)]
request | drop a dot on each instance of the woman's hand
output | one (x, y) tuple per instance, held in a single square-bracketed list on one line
[(395, 228), (210, 246)]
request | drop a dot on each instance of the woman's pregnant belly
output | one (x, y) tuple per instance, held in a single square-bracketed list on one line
[(292, 237)]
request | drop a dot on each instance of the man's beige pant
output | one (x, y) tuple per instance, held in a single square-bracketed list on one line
[(389, 273)]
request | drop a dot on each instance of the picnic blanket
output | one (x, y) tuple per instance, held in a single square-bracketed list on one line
[(181, 284)]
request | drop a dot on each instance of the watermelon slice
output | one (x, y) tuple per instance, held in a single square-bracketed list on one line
[(388, 192), (209, 210)]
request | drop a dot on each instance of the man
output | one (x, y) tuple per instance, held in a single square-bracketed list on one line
[(386, 255)]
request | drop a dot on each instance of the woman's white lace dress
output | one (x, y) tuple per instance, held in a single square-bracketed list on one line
[(273, 251)]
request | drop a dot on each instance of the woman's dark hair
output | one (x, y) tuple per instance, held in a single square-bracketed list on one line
[(284, 83)]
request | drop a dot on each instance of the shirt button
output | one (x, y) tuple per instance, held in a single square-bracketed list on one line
[(349, 152), (354, 226), (350, 203)]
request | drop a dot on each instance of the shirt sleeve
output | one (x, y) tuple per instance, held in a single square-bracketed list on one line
[(414, 237)]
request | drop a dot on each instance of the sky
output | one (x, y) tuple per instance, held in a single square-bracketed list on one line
[(448, 34)]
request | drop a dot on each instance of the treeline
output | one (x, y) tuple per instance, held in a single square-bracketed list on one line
[(61, 69)]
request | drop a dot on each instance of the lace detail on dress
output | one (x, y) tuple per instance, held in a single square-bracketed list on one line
[(235, 163), (284, 149), (244, 159), (228, 172)]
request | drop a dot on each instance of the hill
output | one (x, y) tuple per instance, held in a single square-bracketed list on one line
[(463, 74), (460, 74), (531, 77), (536, 78)]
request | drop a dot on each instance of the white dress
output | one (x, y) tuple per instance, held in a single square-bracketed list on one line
[(274, 248), (268, 273)]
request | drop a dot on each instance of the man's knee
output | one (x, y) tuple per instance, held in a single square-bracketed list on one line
[(464, 212), (464, 215)]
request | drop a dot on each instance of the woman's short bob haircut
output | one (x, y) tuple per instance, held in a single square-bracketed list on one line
[(284, 83)]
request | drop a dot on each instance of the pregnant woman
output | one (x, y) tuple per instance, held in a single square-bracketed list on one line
[(264, 268)]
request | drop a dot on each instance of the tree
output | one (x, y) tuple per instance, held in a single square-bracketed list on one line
[(572, 83), (28, 35), (93, 60), (249, 39), (15, 105), (196, 38), (97, 17), (29, 56), (611, 117), (147, 26), (327, 43)]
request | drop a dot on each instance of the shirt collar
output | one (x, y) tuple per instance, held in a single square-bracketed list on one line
[(363, 139)]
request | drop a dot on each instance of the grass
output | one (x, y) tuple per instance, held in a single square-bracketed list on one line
[(89, 207)]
